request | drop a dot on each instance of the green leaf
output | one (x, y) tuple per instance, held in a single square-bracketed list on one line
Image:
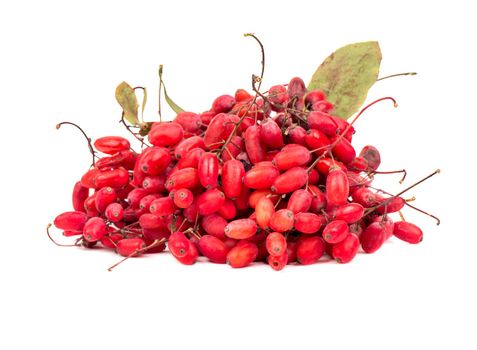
[(169, 101), (346, 76), (126, 97)]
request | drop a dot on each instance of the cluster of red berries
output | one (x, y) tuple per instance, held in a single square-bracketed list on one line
[(271, 177)]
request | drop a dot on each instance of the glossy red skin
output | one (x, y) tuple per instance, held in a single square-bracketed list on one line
[(233, 149), (372, 156), (317, 141), (290, 181), (296, 135), (242, 254), (278, 95), (146, 201), (291, 156), (166, 134), (232, 178), (318, 201), (210, 201), (227, 210), (134, 196), (90, 206), (223, 104), (324, 165), (213, 249), (337, 187), (115, 178), (241, 202), (190, 257), (313, 177), (309, 250), (130, 246), (271, 134), (214, 225), (162, 206), (138, 175), (156, 161), (183, 178), (242, 95), (356, 180), (71, 221), (189, 121), (323, 106), (407, 232), (344, 251), (365, 197), (94, 229), (191, 212), (111, 240), (111, 144), (282, 220), (314, 96), (152, 221), (183, 198), (358, 164), (104, 197), (114, 212), (308, 223), (276, 244), (154, 184), (178, 244), (300, 201), (256, 195), (388, 225), (264, 211), (71, 233), (191, 159), (343, 150), (395, 204), (241, 229), (187, 144), (350, 212), (80, 193), (261, 177), (335, 231), (324, 122), (125, 159), (87, 180), (256, 151), (373, 237), (215, 130), (208, 170), (278, 262)]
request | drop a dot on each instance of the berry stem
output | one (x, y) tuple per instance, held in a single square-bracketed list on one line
[(263, 57), (392, 172), (159, 94), (139, 251), (88, 139), (396, 75), (76, 244)]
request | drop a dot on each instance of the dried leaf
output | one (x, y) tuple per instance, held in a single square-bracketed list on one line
[(346, 76), (169, 101), (126, 97), (144, 100)]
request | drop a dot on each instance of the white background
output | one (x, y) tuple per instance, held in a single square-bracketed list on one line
[(62, 61)]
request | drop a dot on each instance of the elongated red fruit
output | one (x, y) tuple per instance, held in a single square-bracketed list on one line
[(365, 197), (80, 193), (191, 159), (263, 212), (337, 187), (178, 244), (276, 244), (270, 134), (213, 249), (243, 254), (241, 229), (371, 154), (290, 156), (208, 168), (335, 231), (392, 205), (187, 144), (210, 201), (214, 225), (344, 251), (130, 246), (343, 150), (325, 164), (278, 262), (162, 206), (114, 178), (309, 250), (189, 121), (300, 201), (261, 177), (407, 232), (350, 212), (71, 221), (152, 221), (183, 178), (317, 141), (373, 237), (232, 178), (155, 161), (282, 220), (309, 223), (255, 149), (166, 134), (111, 144), (94, 229), (290, 181), (104, 197)]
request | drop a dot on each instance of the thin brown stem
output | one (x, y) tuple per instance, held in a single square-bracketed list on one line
[(60, 244), (139, 251), (396, 75), (263, 57), (88, 139)]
